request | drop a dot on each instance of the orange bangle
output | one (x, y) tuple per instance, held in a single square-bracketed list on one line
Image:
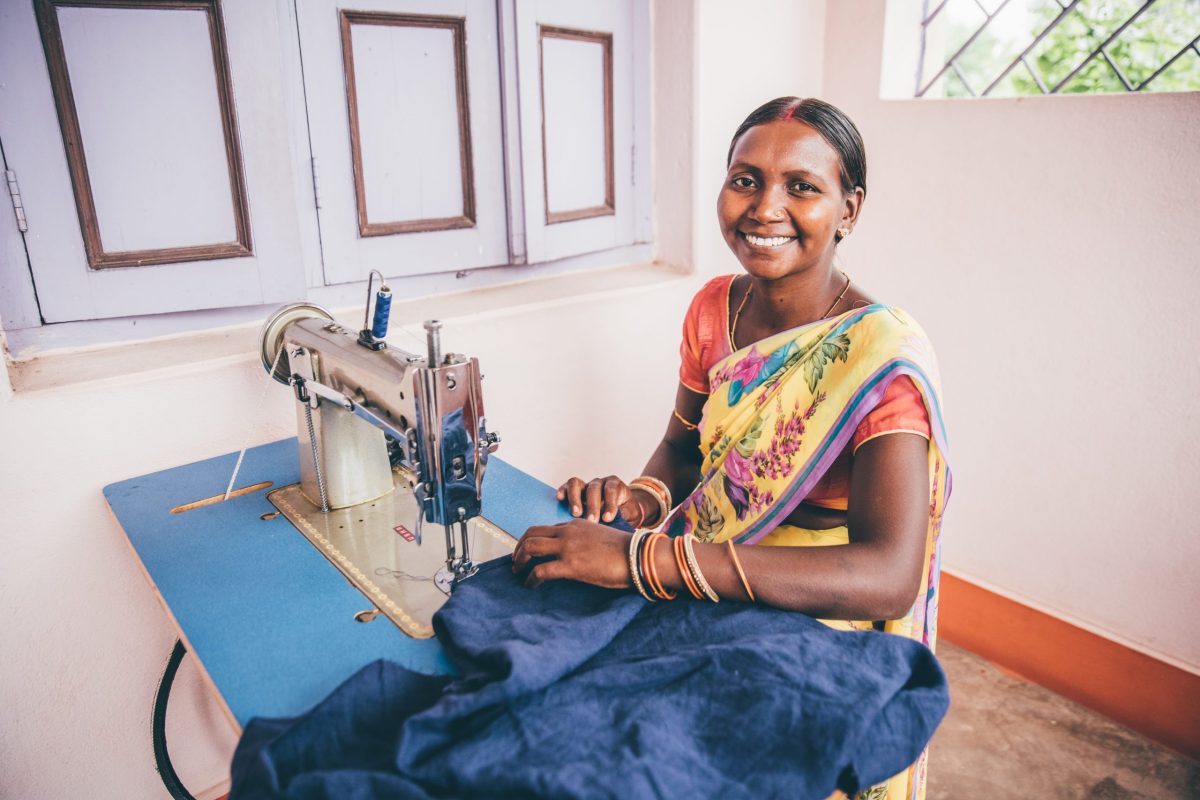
[(647, 566), (681, 562), (652, 569), (737, 564)]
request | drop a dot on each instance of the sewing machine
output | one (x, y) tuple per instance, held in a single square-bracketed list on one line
[(391, 443)]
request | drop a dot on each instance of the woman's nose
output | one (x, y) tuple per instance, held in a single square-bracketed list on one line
[(770, 207)]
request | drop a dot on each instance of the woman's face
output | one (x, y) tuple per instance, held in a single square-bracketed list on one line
[(782, 201)]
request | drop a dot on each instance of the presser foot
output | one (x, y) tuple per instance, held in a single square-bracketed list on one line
[(448, 575)]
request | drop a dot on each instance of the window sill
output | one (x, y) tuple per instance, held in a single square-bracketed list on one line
[(42, 361)]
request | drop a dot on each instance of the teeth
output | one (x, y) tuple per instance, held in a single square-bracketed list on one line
[(771, 241)]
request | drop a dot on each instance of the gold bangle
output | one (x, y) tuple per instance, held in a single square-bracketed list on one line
[(663, 507), (691, 426), (737, 564), (651, 482), (634, 572), (689, 550)]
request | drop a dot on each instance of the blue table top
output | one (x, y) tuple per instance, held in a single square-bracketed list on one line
[(269, 620)]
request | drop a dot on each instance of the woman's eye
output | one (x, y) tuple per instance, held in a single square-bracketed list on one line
[(743, 182), (801, 186)]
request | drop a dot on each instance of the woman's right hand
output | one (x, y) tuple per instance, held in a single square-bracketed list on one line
[(600, 499)]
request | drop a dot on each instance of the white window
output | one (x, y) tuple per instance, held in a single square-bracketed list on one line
[(192, 154)]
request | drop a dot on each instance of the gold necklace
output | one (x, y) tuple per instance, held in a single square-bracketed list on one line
[(840, 296), (746, 296), (736, 314)]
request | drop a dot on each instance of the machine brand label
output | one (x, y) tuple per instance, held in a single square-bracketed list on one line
[(406, 533)]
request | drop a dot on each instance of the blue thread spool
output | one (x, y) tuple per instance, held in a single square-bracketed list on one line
[(383, 309)]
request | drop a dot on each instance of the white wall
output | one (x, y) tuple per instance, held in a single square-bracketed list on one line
[(1049, 246), (746, 54)]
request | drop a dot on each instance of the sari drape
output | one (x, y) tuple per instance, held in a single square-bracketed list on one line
[(779, 413)]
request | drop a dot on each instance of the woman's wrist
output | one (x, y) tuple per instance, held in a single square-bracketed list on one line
[(647, 507), (658, 492)]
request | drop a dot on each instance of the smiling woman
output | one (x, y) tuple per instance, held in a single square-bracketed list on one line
[(807, 417)]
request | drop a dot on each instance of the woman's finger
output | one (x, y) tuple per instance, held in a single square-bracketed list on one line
[(533, 544), (594, 497), (546, 571), (561, 492), (572, 492), (615, 493), (537, 547)]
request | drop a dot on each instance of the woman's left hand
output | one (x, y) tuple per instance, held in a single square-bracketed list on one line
[(580, 550)]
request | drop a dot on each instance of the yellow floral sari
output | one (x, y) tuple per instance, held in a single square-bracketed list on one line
[(780, 411)]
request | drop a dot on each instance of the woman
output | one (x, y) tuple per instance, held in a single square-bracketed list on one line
[(807, 417)]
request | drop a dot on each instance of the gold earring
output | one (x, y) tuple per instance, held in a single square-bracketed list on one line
[(843, 232)]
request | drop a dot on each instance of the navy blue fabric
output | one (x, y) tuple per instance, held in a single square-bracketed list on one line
[(575, 691)]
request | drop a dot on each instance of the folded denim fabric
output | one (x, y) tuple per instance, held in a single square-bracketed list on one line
[(572, 691)]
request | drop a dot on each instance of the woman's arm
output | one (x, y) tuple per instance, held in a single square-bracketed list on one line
[(875, 576), (675, 462)]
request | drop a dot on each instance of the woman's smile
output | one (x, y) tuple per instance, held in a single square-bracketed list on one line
[(767, 242)]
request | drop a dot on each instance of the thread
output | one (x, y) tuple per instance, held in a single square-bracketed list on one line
[(262, 399), (383, 310)]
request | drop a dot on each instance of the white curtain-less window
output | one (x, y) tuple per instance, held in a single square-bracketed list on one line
[(176, 155)]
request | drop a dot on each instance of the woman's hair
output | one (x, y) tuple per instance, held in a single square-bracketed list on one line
[(829, 121)]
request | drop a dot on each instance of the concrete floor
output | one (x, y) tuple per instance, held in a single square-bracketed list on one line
[(1008, 738)]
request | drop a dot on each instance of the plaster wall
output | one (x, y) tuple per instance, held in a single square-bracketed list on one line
[(746, 54), (1048, 246)]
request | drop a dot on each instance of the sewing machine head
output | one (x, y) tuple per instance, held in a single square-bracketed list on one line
[(364, 408)]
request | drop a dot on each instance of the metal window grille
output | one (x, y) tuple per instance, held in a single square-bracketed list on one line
[(979, 48)]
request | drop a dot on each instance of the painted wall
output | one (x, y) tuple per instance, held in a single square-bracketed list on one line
[(1049, 246), (746, 54)]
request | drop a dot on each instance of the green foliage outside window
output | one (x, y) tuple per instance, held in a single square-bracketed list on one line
[(1153, 39)]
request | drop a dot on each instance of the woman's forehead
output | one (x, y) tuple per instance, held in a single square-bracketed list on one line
[(787, 146)]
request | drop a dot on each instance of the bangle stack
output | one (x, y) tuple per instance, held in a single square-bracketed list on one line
[(656, 489), (644, 571), (642, 567)]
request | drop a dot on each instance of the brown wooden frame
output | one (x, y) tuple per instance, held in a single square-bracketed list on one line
[(458, 29), (605, 40), (98, 258)]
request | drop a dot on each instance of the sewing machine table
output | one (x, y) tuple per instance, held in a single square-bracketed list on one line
[(269, 620)]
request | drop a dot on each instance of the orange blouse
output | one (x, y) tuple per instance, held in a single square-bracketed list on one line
[(706, 341)]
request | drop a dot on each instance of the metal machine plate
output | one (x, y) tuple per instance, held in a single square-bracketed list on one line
[(374, 547)]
